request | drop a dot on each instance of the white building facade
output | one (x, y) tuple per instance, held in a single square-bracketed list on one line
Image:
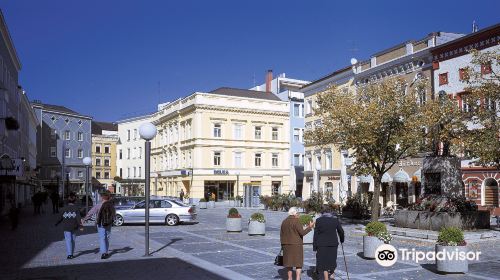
[(130, 156)]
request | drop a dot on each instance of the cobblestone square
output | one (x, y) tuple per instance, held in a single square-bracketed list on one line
[(204, 249)]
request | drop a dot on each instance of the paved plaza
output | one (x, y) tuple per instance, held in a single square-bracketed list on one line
[(201, 251)]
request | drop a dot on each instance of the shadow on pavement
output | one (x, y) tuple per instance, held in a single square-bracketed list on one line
[(119, 251), (86, 252), (361, 255), (33, 235), (150, 268), (166, 245), (432, 268)]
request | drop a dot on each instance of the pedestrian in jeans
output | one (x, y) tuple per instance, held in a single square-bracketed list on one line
[(105, 211), (70, 219)]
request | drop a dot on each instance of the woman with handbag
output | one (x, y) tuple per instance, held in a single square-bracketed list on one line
[(325, 242), (291, 242)]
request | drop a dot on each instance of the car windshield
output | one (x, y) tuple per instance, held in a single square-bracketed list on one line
[(178, 203)]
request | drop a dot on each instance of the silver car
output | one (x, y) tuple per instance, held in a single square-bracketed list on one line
[(167, 211)]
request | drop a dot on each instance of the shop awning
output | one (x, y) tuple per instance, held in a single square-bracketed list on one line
[(401, 177), (386, 178), (365, 179)]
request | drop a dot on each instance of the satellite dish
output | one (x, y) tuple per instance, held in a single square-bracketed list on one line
[(354, 61)]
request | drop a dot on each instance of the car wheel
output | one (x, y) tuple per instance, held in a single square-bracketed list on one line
[(172, 220), (118, 220)]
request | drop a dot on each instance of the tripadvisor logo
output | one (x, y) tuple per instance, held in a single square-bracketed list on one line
[(387, 255)]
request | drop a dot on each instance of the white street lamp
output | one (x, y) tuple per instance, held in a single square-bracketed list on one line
[(147, 131), (87, 161)]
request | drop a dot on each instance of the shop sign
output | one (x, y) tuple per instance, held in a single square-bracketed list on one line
[(221, 172), (333, 178), (403, 163), (309, 178), (185, 172)]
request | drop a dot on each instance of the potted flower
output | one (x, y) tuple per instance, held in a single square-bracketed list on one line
[(238, 201), (233, 221), (451, 242), (203, 203), (211, 203), (231, 202), (371, 240), (305, 220), (257, 224)]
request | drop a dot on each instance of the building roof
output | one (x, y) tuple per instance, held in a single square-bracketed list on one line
[(246, 93), (56, 108), (334, 73), (98, 127), (470, 38)]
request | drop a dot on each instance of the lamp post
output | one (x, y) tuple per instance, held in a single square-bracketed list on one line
[(147, 131), (87, 161)]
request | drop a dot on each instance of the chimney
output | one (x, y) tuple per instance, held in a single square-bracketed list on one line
[(269, 78)]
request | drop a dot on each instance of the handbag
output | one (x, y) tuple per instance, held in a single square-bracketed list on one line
[(279, 258)]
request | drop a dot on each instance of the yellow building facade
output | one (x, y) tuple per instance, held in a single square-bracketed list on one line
[(104, 160), (227, 143)]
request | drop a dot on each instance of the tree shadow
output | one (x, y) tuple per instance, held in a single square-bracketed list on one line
[(172, 241)]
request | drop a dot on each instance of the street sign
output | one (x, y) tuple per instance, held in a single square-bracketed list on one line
[(17, 170)]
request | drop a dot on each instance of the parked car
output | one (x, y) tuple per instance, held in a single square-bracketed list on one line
[(123, 202), (169, 212)]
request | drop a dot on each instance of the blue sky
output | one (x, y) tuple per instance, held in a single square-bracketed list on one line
[(106, 58)]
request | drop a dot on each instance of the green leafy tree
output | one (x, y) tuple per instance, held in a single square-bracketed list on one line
[(381, 123)]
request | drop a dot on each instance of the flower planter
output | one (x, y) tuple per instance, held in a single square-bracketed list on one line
[(370, 245), (211, 204), (233, 225), (256, 228), (454, 265), (203, 205), (232, 203)]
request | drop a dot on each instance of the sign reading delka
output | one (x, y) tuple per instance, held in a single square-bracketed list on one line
[(221, 172)]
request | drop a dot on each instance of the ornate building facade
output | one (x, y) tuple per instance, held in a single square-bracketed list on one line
[(228, 142)]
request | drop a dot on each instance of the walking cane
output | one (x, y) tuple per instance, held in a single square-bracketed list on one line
[(345, 263)]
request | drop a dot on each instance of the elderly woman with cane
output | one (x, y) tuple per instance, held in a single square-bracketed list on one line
[(291, 242), (326, 242)]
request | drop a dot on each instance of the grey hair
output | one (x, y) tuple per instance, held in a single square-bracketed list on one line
[(292, 211)]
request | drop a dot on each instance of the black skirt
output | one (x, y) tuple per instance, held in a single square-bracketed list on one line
[(326, 258)]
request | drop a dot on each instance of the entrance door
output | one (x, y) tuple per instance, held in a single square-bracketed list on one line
[(491, 192), (402, 194), (255, 196)]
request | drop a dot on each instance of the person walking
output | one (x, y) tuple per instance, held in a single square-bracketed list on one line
[(291, 234), (14, 215), (181, 195), (55, 202), (106, 213), (70, 219), (327, 233)]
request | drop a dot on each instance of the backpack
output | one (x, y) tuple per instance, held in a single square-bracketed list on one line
[(106, 214)]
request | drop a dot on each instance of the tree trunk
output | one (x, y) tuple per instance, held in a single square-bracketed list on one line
[(375, 199)]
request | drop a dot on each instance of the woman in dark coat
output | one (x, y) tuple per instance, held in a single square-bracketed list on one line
[(325, 241), (291, 241)]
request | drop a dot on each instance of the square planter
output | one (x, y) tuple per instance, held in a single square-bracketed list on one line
[(256, 228), (413, 219), (401, 218), (424, 219), (438, 220), (232, 203), (455, 265), (203, 205), (211, 204), (370, 245), (233, 225)]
